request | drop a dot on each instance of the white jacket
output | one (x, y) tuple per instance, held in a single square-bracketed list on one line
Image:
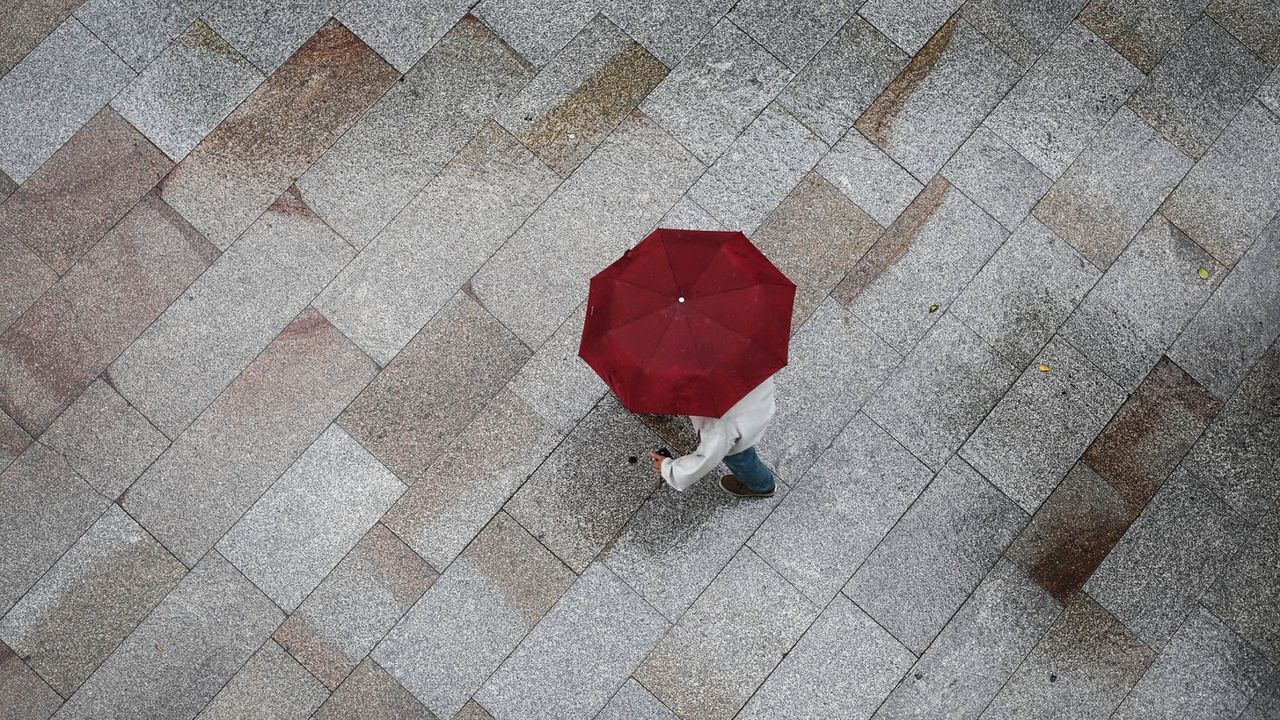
[(735, 431)]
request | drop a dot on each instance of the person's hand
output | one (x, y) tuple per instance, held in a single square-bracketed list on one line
[(657, 461)]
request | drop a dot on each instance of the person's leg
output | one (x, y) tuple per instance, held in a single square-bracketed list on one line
[(752, 473)]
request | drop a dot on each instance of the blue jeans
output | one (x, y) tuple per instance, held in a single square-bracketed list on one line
[(746, 466)]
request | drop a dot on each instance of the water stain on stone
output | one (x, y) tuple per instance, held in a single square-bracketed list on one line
[(894, 242), (877, 121), (1125, 36)]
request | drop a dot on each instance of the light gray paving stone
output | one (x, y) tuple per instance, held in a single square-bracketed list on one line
[(1055, 111), (537, 29), (909, 24), (206, 338), (819, 535), (138, 31), (371, 692), (633, 702), (978, 650), (758, 170), (1246, 595), (1141, 304), (578, 655), (1255, 22), (382, 162), (27, 696), (1231, 195), (402, 31), (1269, 93), (871, 179), (556, 382), (936, 554), (194, 641), (1023, 29), (23, 279), (835, 363), (271, 686), (599, 212), (1169, 557), (414, 266), (56, 88), (1029, 441), (688, 215), (943, 390), (1140, 30), (13, 440), (929, 110), (268, 31), (310, 518), (1080, 670), (476, 614), (1112, 188), (232, 453), (667, 28), (90, 600), (793, 32), (843, 666), (1206, 671), (1028, 288), (184, 93), (105, 441), (44, 508), (716, 91), (833, 89)]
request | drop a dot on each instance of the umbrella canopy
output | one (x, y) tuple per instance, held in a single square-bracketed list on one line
[(688, 322)]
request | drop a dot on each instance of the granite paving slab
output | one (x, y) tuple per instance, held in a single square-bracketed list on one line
[(792, 32), (1255, 22), (13, 440), (189, 354), (909, 24), (254, 431), (558, 384), (996, 177), (275, 135), (54, 90), (478, 611), (371, 692), (76, 329), (24, 23), (190, 645), (1246, 594), (268, 32), (537, 29), (83, 190), (1140, 30), (23, 278), (871, 179), (182, 95), (27, 697), (395, 148), (402, 31), (633, 702), (668, 29), (1023, 29), (138, 31), (270, 685)]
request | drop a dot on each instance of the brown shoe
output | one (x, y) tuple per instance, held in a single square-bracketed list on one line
[(734, 486)]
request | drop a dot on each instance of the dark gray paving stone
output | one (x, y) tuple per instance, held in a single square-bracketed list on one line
[(1255, 22), (936, 554), (195, 640), (138, 31), (27, 697), (578, 655), (1055, 111), (268, 31), (824, 529), (1246, 594), (1170, 556), (792, 32), (996, 177), (270, 685), (1112, 188), (558, 384), (402, 31), (843, 666), (1265, 703), (1140, 30), (667, 28), (942, 391), (1023, 29), (633, 702), (871, 179), (537, 29), (371, 692), (978, 650), (13, 440), (909, 24), (711, 662)]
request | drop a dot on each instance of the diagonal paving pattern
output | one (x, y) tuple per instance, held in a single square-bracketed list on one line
[(292, 423)]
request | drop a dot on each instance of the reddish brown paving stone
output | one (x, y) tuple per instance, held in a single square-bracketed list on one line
[(23, 279), (7, 186), (371, 692), (24, 23)]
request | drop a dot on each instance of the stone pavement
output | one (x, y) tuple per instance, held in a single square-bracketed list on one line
[(293, 424)]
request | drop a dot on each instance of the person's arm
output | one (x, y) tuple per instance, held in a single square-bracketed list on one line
[(684, 471)]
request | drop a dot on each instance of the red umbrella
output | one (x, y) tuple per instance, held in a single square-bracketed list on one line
[(688, 322)]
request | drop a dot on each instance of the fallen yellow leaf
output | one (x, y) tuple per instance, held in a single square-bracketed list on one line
[(933, 307), (1203, 273), (1044, 368)]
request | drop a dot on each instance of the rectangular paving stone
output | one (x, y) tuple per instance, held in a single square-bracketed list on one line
[(1112, 188), (1081, 668), (1043, 424), (582, 494), (871, 179), (558, 384), (935, 555), (667, 28), (26, 695), (716, 91), (920, 264), (977, 651), (1246, 595), (1141, 304), (929, 110), (1033, 282), (24, 23), (581, 95), (909, 24), (819, 535), (843, 666), (581, 651), (23, 278), (275, 135), (793, 32), (1170, 556), (1065, 100), (84, 189), (138, 31), (1205, 671), (13, 440), (942, 391), (184, 93), (255, 429), (371, 692), (446, 375), (356, 604), (1255, 22), (537, 29), (1023, 29), (402, 31), (268, 32), (633, 702), (271, 684), (1230, 196), (996, 177), (480, 609), (96, 310), (52, 92), (194, 641), (758, 170), (604, 208), (377, 167), (1140, 30), (417, 263)]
